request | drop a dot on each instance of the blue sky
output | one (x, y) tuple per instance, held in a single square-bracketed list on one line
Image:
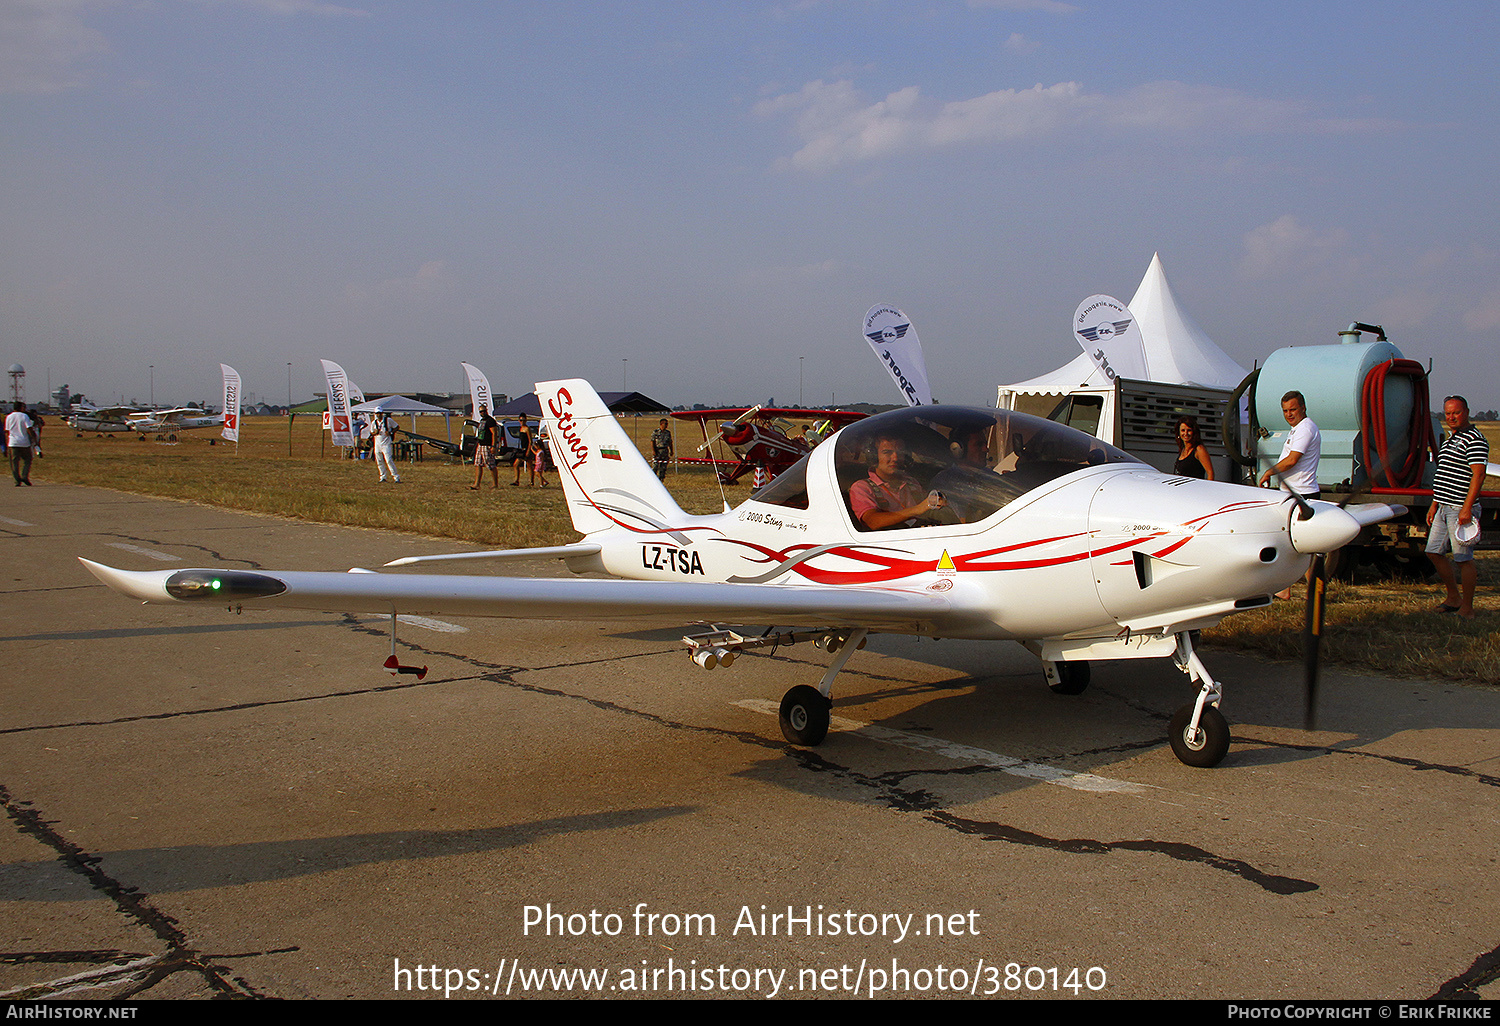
[(703, 199)]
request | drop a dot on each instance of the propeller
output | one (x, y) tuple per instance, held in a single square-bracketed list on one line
[(1318, 531), (1312, 636)]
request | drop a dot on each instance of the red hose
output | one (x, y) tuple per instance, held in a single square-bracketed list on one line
[(1372, 411)]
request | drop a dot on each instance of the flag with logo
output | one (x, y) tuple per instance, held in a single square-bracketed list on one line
[(891, 335), (338, 403), (479, 389), (1107, 331), (231, 430)]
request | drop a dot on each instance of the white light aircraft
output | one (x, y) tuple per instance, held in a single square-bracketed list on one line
[(1027, 531), (166, 423), (102, 419)]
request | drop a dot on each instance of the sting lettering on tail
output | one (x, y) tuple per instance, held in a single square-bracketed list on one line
[(568, 427)]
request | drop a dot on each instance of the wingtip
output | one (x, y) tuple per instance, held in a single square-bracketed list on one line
[(144, 585)]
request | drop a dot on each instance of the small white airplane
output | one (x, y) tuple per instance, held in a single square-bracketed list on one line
[(162, 423), (1027, 531), (102, 419), (166, 423)]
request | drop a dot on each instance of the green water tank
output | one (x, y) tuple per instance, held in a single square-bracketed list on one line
[(1332, 381)]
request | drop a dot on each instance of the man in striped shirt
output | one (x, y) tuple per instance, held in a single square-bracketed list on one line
[(1455, 504)]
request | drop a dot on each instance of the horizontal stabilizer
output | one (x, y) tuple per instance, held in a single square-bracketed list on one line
[(1374, 512), (548, 552)]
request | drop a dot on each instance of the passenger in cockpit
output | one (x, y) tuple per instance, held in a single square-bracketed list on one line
[(967, 484)]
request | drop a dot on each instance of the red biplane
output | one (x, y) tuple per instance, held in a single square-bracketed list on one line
[(762, 436)]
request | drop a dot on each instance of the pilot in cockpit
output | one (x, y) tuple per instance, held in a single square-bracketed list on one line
[(887, 497)]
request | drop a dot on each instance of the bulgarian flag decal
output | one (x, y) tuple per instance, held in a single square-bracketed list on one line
[(609, 454)]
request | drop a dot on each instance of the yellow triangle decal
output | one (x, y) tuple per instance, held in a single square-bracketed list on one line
[(946, 562)]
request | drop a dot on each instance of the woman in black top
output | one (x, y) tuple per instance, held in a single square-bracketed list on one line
[(1192, 456)]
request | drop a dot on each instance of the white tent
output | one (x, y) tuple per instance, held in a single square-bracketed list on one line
[(1177, 350), (400, 404)]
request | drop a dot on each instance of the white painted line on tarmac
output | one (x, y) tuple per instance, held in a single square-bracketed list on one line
[(968, 754), (441, 626), (165, 557)]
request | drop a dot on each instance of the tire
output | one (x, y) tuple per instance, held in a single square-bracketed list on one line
[(1210, 745), (804, 717), (1073, 678)]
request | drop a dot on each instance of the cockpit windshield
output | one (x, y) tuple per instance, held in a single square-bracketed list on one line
[(955, 465)]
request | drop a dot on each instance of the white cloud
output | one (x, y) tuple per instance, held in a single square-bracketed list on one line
[(837, 125), (291, 8), (1018, 43), (43, 43), (1287, 247), (1027, 6), (789, 275), (431, 279)]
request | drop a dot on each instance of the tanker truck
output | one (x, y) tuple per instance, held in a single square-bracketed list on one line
[(1379, 436)]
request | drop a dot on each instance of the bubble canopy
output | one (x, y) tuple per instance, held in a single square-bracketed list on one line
[(979, 459)]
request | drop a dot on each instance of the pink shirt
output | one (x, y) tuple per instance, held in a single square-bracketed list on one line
[(888, 496)]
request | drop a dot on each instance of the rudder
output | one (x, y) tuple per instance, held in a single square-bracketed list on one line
[(608, 482)]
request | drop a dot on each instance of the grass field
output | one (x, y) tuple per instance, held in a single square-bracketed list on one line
[(293, 473)]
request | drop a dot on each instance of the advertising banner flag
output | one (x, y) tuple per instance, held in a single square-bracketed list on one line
[(1107, 331), (338, 403), (895, 341), (231, 403), (479, 389)]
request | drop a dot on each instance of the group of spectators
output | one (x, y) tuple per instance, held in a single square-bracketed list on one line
[(531, 452)]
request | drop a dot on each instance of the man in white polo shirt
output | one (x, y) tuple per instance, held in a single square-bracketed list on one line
[(1298, 466)]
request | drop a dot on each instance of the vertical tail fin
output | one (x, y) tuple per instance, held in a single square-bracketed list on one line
[(607, 481)]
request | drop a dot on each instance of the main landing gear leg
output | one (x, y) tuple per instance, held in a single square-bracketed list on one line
[(806, 711), (1198, 732)]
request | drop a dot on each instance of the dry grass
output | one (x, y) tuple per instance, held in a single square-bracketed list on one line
[(1384, 626), (294, 473)]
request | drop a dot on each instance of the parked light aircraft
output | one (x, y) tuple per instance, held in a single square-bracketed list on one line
[(166, 423), (761, 436), (102, 419), (162, 423), (1035, 532)]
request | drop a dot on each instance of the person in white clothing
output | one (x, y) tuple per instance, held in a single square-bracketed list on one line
[(383, 435), (1298, 466), (20, 439)]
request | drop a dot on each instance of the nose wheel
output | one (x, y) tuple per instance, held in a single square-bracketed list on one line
[(1203, 745), (1198, 732)]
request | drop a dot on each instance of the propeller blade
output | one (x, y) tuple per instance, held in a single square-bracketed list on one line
[(1312, 635)]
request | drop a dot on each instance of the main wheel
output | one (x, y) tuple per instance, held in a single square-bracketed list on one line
[(804, 716), (1072, 678), (1208, 745)]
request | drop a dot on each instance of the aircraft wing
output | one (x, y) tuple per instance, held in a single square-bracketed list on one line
[(183, 412), (528, 598)]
